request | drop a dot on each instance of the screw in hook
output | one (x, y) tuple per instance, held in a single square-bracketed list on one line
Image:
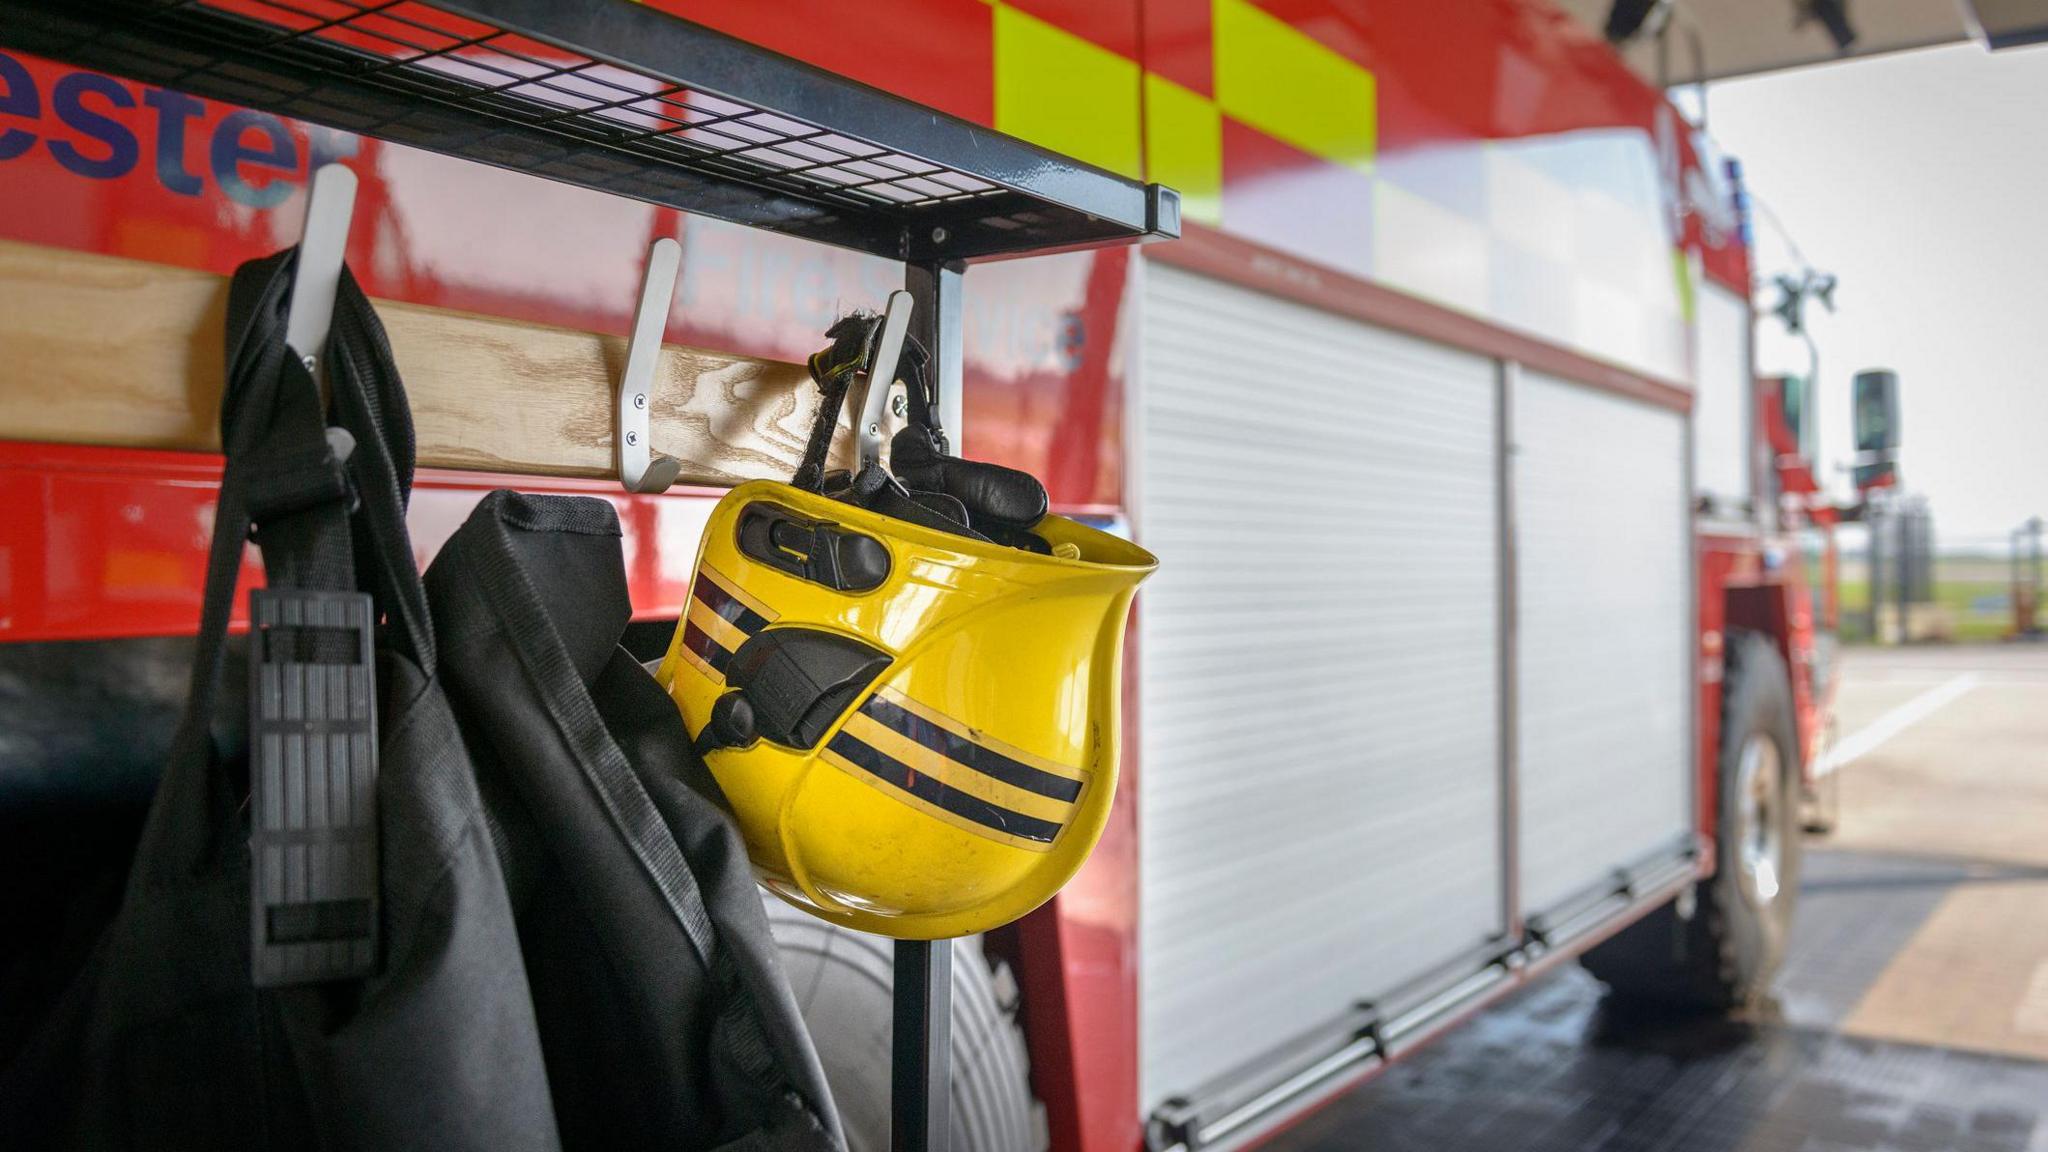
[(632, 438), (899, 404), (639, 400)]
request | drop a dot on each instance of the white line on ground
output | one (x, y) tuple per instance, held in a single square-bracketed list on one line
[(2032, 1015), (1867, 739), (1984, 680)]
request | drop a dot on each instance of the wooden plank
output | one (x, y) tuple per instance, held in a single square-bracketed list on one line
[(103, 350)]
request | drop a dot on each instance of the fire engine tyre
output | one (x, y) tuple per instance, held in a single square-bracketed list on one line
[(1727, 953), (843, 980)]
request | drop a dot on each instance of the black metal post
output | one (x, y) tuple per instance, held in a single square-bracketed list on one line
[(2026, 578), (936, 291), (921, 1069), (922, 1053), (1905, 578), (2033, 625), (2016, 564), (2034, 529)]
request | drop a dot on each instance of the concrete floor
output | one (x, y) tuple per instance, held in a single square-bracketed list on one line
[(1964, 784), (1913, 1009)]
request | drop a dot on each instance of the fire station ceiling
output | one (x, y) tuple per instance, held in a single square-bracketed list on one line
[(1741, 37)]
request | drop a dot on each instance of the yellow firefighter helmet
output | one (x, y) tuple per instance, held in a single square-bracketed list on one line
[(916, 723)]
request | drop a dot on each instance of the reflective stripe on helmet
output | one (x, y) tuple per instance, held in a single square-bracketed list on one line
[(972, 783), (720, 619)]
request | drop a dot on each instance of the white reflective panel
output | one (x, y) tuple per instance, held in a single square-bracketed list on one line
[(1318, 784), (1721, 400), (1604, 646)]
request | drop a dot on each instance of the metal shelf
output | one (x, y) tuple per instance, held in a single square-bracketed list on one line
[(612, 95)]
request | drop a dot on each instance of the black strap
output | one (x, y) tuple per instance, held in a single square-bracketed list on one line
[(834, 368), (369, 401), (293, 486), (916, 373), (284, 475)]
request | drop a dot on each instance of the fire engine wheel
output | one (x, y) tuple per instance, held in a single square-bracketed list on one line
[(842, 982), (1726, 953)]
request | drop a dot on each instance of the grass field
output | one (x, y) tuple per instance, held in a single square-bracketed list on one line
[(1978, 600)]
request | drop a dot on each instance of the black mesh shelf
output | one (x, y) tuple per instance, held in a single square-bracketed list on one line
[(612, 95)]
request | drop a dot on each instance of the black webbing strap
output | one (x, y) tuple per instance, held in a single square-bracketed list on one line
[(917, 376), (369, 402), (281, 465), (284, 474), (270, 435), (295, 480), (834, 369)]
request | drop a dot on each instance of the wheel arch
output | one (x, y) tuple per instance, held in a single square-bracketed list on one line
[(1766, 609)]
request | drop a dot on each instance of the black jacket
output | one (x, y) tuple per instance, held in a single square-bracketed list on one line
[(569, 950), (663, 1011)]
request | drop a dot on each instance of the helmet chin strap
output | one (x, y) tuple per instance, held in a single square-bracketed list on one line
[(923, 483), (861, 343)]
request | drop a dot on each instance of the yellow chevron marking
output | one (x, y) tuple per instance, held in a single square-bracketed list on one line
[(1066, 93), (1282, 82), (1184, 147)]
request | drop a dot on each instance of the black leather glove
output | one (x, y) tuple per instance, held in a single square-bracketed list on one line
[(1002, 504)]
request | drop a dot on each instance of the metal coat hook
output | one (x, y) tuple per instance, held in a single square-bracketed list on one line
[(316, 279), (881, 374), (640, 468)]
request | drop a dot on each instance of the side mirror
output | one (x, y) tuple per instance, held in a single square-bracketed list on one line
[(1876, 403)]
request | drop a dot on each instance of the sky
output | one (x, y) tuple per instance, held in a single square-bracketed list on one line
[(1921, 181)]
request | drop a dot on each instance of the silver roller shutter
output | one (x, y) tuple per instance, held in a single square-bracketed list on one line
[(1319, 782), (1604, 645)]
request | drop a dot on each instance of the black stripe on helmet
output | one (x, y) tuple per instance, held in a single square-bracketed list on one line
[(726, 606), (938, 793), (956, 747), (707, 649)]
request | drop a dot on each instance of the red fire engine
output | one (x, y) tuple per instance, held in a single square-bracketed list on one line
[(1486, 636)]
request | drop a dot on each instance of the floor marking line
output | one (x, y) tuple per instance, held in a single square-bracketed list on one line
[(2000, 680), (2032, 1014), (1867, 739)]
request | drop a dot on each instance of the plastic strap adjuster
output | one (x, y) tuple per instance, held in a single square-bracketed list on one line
[(313, 786)]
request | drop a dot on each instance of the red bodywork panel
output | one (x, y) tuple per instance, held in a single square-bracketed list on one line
[(102, 542), (1759, 584)]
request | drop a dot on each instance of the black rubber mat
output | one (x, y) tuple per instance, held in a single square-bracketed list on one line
[(1856, 911), (1557, 1068)]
